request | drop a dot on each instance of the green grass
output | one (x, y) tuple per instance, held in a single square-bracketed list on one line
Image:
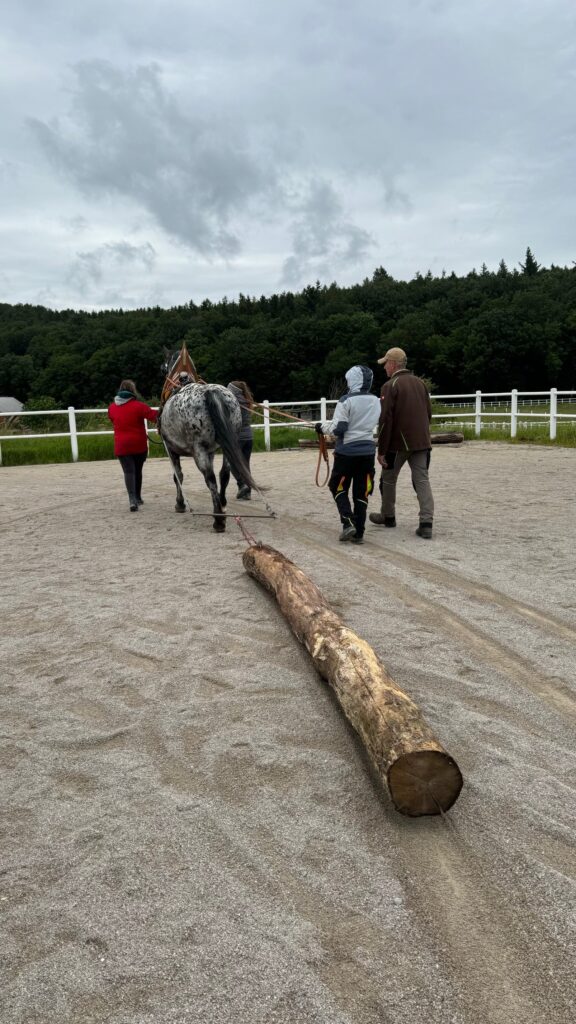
[(38, 451), (282, 437), (565, 434), (503, 407)]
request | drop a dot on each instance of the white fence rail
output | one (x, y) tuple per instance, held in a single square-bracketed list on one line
[(482, 405)]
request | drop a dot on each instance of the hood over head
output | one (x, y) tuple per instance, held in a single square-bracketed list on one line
[(359, 379), (124, 396)]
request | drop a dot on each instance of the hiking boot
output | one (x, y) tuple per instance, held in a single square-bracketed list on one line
[(380, 520), (348, 530), (425, 531)]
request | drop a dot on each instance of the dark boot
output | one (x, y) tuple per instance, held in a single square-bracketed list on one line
[(133, 500), (380, 520), (425, 531)]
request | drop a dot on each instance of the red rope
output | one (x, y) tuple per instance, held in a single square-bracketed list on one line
[(322, 454), (250, 540)]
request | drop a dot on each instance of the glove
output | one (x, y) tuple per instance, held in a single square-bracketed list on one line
[(318, 428)]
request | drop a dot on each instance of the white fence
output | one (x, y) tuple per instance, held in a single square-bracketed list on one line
[(513, 398), (481, 404)]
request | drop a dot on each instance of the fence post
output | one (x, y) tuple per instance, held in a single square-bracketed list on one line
[(514, 413), (266, 406), (73, 433), (478, 412), (553, 412), (323, 413), (0, 454)]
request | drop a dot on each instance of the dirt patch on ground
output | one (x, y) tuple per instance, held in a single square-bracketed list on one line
[(189, 830)]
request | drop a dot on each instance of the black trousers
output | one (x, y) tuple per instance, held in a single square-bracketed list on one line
[(246, 449), (357, 470), (132, 468)]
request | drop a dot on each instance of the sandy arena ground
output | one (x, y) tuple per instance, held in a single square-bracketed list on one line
[(190, 831)]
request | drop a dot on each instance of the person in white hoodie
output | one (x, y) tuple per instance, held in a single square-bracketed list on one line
[(353, 424)]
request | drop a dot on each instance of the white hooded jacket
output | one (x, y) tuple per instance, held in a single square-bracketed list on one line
[(356, 415)]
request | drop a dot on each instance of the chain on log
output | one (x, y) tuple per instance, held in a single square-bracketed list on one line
[(421, 776)]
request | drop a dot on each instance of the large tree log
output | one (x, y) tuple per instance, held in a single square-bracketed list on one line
[(421, 777)]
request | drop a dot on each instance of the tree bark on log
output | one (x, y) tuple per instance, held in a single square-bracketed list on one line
[(421, 776)]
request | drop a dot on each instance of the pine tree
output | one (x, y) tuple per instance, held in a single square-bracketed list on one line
[(380, 274), (530, 267), (502, 269)]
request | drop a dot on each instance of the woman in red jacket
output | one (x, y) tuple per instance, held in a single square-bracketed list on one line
[(128, 413)]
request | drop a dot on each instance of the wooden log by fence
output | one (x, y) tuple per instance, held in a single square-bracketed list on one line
[(421, 776)]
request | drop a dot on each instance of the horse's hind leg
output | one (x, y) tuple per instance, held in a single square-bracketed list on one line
[(224, 480), (205, 462), (178, 475)]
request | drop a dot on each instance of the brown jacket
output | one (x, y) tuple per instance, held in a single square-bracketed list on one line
[(405, 414)]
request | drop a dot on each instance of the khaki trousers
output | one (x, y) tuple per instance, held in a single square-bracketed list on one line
[(419, 463)]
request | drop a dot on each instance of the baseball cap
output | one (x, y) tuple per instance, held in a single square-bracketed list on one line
[(397, 355)]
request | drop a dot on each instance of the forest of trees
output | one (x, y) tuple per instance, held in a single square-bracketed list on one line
[(489, 330)]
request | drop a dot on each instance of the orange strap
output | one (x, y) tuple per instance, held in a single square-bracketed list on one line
[(322, 454), (183, 364)]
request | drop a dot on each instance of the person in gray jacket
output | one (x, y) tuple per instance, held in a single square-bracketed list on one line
[(243, 395), (353, 424)]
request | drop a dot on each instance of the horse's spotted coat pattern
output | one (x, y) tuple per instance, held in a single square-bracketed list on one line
[(195, 421)]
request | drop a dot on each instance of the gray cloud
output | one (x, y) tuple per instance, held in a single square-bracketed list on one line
[(322, 238), (245, 147), (92, 267), (125, 135)]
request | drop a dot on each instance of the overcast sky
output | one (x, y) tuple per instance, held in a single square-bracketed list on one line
[(162, 151)]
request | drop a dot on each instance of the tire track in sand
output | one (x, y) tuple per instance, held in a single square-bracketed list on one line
[(486, 941), (490, 651)]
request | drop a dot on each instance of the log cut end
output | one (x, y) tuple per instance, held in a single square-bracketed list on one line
[(424, 782)]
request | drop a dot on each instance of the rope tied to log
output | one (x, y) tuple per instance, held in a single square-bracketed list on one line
[(248, 537)]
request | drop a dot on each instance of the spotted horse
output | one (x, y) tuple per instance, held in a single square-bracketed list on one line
[(196, 419)]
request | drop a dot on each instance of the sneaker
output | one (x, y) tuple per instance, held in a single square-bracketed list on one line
[(380, 520), (348, 531), (425, 531), (356, 539)]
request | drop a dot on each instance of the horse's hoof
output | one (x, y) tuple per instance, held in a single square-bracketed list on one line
[(179, 508), (219, 526)]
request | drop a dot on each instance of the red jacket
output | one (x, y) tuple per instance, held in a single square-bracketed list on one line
[(129, 431)]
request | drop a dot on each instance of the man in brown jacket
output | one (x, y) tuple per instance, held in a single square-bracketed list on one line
[(404, 436)]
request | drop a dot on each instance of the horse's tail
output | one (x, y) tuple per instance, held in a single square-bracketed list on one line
[(227, 437)]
